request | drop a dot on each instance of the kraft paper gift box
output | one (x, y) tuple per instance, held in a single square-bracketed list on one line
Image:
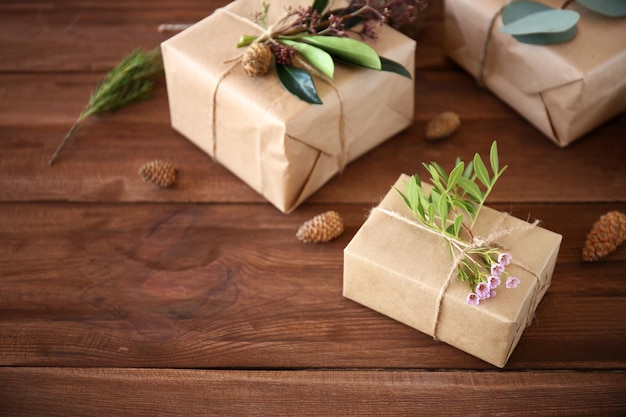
[(282, 147), (401, 270), (564, 89)]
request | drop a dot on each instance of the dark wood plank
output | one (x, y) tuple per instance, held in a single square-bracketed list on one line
[(186, 285), (131, 392), (68, 36), (102, 160)]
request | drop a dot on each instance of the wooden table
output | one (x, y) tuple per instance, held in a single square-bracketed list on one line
[(120, 298)]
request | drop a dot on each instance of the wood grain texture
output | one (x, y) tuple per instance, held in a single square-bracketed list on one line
[(199, 285), (131, 392)]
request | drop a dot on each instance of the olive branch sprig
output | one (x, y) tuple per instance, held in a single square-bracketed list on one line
[(131, 80), (451, 209)]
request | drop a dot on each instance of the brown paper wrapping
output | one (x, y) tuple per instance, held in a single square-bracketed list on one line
[(564, 89), (399, 270), (282, 147)]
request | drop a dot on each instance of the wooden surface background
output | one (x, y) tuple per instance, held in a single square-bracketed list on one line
[(118, 298)]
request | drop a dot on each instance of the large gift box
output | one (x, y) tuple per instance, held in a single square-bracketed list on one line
[(281, 146), (564, 89), (395, 267)]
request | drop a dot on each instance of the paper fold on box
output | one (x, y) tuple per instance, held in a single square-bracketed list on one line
[(281, 146), (564, 89), (399, 269)]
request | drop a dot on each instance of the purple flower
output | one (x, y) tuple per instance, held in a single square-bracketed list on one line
[(497, 269), (492, 293), (504, 259), (482, 290), (472, 299), (512, 282), (494, 281)]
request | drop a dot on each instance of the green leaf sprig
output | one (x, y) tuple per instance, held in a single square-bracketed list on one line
[(452, 207), (537, 24), (315, 39), (130, 81)]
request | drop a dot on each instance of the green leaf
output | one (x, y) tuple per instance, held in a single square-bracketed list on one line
[(298, 82), (318, 58), (521, 9), (353, 51), (458, 221), (393, 66), (320, 5), (468, 169), (481, 170), (434, 173), (245, 40), (493, 157), (471, 188), (431, 213), (443, 207), (455, 174), (610, 8)]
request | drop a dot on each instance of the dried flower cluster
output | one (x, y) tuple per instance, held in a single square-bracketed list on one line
[(486, 288), (321, 228)]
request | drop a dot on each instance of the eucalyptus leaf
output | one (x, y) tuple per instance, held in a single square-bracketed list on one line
[(351, 50), (610, 8), (318, 58), (520, 9), (393, 66), (298, 82), (547, 21)]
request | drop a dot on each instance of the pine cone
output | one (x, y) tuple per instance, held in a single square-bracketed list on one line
[(257, 59), (321, 228), (443, 125), (158, 172), (605, 236)]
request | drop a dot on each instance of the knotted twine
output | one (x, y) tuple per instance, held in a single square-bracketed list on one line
[(268, 34), (464, 248)]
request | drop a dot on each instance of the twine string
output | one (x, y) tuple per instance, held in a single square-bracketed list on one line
[(485, 50), (497, 231), (268, 34)]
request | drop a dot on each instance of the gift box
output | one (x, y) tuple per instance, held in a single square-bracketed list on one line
[(282, 147), (398, 268), (564, 89)]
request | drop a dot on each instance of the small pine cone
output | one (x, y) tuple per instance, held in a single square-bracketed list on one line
[(605, 236), (257, 59), (321, 228), (442, 126), (158, 172)]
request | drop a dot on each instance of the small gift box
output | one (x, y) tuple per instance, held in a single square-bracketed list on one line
[(397, 267), (564, 89), (283, 147)]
